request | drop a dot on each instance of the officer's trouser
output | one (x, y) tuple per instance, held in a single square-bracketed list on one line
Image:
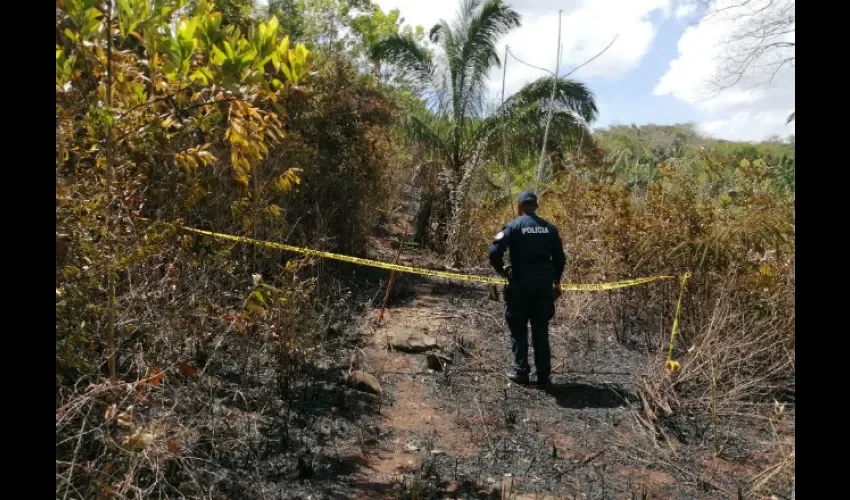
[(534, 303)]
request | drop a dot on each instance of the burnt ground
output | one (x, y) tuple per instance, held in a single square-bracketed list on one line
[(466, 431), (462, 431)]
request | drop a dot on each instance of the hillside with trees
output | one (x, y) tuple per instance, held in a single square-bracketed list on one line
[(192, 366)]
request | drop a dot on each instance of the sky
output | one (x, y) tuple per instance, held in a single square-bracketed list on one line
[(662, 68)]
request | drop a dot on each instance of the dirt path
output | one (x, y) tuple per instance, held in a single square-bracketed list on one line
[(467, 431)]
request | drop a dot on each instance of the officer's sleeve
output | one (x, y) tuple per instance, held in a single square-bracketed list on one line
[(559, 256), (497, 249)]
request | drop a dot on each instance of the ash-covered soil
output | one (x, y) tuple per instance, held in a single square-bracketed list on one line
[(460, 429), (465, 431)]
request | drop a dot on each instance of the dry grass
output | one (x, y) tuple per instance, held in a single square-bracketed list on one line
[(736, 339)]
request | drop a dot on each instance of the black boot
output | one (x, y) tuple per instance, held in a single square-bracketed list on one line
[(518, 378), (543, 382)]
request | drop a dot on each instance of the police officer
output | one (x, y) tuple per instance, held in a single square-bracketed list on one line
[(537, 261)]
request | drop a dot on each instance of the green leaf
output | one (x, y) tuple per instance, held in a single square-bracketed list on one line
[(228, 49), (262, 62), (288, 74), (259, 295), (218, 56), (126, 17), (288, 180), (301, 52), (272, 26), (202, 76), (273, 210), (247, 53), (92, 22), (283, 48)]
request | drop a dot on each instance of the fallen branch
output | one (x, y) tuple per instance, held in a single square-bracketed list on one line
[(484, 424)]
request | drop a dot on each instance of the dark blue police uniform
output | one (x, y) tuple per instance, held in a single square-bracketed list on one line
[(537, 261)]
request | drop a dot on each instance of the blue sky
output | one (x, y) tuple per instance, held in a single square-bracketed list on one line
[(630, 99), (660, 68)]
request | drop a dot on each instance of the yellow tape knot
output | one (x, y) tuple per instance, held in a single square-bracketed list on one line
[(672, 366)]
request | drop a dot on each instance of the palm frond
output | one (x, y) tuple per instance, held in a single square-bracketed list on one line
[(523, 127), (433, 131), (406, 54), (494, 20), (524, 115), (447, 38), (468, 12), (569, 94)]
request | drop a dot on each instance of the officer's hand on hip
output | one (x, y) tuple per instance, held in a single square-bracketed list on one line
[(557, 289)]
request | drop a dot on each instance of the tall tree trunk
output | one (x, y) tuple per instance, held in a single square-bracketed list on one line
[(426, 182), (110, 185), (422, 219), (458, 206), (442, 210)]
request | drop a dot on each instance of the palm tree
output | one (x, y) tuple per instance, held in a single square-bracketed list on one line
[(453, 84), (525, 114)]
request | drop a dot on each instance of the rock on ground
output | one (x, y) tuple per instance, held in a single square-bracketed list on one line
[(411, 340), (363, 381)]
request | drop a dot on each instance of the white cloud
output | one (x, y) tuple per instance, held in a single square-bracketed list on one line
[(425, 13), (587, 26), (586, 29), (740, 125), (685, 8), (755, 107)]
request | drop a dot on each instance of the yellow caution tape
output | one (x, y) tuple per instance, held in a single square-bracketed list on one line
[(671, 365), (412, 270)]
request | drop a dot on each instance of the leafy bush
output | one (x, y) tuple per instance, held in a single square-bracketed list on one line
[(218, 122)]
